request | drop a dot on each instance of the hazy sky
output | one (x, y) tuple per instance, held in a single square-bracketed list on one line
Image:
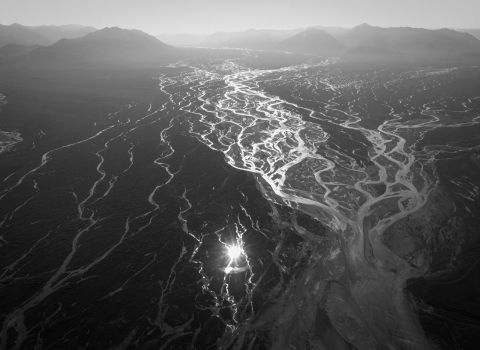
[(206, 16)]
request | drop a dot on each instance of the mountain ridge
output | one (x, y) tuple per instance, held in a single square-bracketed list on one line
[(68, 31), (312, 40), (21, 35), (407, 39), (105, 44), (17, 49), (263, 39)]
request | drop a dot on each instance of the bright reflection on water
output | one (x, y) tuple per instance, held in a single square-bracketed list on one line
[(234, 251)]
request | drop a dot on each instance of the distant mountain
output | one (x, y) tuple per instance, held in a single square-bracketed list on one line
[(181, 39), (249, 39), (363, 35), (18, 34), (368, 51), (334, 31), (55, 33), (146, 36), (466, 37), (108, 43), (217, 38), (312, 40), (16, 49), (474, 32), (406, 39)]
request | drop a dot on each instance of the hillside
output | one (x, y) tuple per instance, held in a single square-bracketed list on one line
[(105, 44), (367, 51), (334, 31), (475, 32), (249, 39), (410, 40), (180, 39), (20, 35), (55, 33), (312, 40), (466, 37), (16, 49)]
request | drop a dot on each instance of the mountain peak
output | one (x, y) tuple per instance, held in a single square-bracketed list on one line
[(363, 25), (17, 34), (313, 30), (363, 28), (107, 43), (312, 40), (406, 39)]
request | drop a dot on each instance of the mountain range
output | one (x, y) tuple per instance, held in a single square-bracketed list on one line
[(474, 32), (180, 39), (105, 44), (80, 43), (17, 49), (312, 40), (69, 31), (249, 39), (410, 40), (18, 34), (42, 35), (362, 39)]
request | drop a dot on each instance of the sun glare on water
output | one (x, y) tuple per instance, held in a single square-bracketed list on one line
[(234, 251)]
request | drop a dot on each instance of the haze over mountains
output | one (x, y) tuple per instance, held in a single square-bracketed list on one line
[(474, 32), (312, 40), (360, 40), (181, 39), (370, 40), (408, 40), (17, 49), (79, 43), (108, 43), (42, 35), (18, 34), (249, 39), (69, 31)]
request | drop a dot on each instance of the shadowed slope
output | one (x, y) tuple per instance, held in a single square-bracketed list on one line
[(406, 39), (16, 49), (249, 39), (109, 43), (70, 31), (312, 40), (18, 34)]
